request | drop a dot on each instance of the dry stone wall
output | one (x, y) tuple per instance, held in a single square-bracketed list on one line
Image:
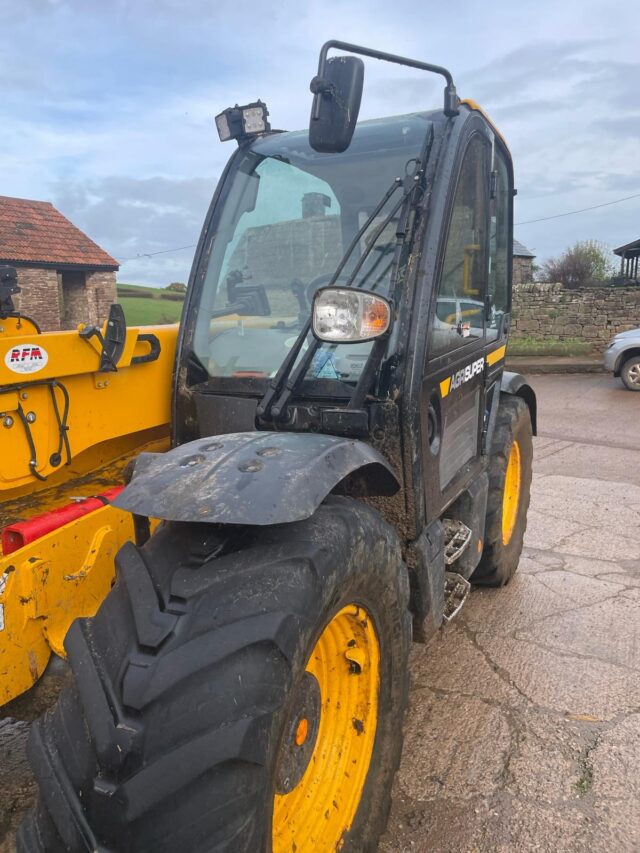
[(551, 312), (39, 297)]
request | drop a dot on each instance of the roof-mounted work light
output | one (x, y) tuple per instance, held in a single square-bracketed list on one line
[(243, 122)]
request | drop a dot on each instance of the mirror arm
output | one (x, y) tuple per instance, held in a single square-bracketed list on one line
[(319, 86)]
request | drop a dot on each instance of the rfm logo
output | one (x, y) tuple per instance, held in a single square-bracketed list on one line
[(26, 358), (26, 354)]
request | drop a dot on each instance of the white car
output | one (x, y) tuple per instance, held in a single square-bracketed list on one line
[(622, 358)]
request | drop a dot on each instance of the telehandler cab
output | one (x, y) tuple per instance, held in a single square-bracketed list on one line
[(348, 455)]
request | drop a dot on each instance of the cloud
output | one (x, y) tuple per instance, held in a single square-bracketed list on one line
[(134, 218), (108, 108)]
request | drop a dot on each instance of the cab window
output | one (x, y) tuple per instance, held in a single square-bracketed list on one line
[(499, 266), (460, 306)]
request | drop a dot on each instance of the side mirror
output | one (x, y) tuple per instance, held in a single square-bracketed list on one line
[(336, 104)]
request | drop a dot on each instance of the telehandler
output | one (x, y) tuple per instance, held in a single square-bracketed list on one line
[(75, 408), (348, 455)]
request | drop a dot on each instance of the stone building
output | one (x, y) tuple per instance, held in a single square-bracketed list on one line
[(522, 263), (65, 278)]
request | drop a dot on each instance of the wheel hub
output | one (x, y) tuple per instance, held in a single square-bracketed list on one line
[(327, 742), (300, 735), (634, 374)]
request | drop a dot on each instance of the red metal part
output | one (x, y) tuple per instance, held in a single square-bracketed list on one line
[(16, 536)]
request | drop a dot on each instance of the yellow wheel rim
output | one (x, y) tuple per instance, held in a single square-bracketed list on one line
[(511, 497), (320, 809)]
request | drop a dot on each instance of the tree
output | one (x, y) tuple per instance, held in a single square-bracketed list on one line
[(585, 262), (176, 287)]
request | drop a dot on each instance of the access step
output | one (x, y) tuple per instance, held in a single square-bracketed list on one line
[(456, 539), (456, 590)]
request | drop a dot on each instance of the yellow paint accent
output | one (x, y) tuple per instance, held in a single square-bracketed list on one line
[(511, 496), (474, 105), (445, 386), (496, 355), (314, 816)]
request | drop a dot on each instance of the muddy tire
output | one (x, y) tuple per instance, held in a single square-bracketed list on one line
[(630, 373), (199, 693), (509, 487)]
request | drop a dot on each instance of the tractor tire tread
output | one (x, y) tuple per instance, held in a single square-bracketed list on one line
[(143, 730)]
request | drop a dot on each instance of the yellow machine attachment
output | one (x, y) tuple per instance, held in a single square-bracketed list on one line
[(72, 415)]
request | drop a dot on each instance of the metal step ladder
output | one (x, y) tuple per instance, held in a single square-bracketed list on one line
[(456, 588)]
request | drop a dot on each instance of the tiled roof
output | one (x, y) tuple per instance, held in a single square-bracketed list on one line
[(521, 251), (35, 231)]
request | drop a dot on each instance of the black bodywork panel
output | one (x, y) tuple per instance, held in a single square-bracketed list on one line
[(425, 557), (255, 478)]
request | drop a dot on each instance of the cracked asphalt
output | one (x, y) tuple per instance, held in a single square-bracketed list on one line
[(524, 727)]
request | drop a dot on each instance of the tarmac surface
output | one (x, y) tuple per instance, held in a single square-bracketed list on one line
[(524, 727)]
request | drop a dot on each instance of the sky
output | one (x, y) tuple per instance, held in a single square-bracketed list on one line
[(107, 106)]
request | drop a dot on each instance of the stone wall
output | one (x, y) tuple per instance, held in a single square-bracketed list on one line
[(522, 269), (594, 315), (61, 300), (39, 296), (101, 293)]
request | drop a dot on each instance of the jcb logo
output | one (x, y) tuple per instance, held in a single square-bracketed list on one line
[(26, 358)]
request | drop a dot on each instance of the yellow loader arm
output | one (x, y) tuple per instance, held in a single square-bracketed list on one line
[(67, 431)]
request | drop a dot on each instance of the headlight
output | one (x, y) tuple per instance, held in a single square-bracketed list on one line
[(347, 315)]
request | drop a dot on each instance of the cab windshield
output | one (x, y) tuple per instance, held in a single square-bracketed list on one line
[(287, 217)]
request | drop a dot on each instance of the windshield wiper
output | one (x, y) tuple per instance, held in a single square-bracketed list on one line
[(397, 182), (284, 382)]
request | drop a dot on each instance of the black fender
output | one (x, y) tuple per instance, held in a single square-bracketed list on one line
[(256, 478), (517, 385)]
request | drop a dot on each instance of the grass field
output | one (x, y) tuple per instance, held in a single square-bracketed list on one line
[(533, 346), (147, 311), (150, 312)]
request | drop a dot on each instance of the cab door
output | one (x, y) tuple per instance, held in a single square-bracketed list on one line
[(453, 386)]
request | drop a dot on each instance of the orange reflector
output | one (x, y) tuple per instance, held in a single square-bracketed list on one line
[(376, 318), (302, 731), (349, 315)]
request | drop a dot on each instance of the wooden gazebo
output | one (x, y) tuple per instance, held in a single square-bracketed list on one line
[(629, 259)]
